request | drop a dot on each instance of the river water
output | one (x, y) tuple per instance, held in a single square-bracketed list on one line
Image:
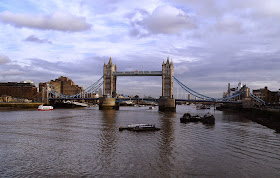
[(87, 142)]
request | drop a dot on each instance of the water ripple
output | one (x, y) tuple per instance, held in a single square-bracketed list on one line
[(87, 143)]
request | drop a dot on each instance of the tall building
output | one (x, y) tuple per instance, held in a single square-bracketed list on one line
[(235, 90), (189, 96)]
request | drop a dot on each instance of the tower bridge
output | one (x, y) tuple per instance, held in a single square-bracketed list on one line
[(166, 102), (110, 74)]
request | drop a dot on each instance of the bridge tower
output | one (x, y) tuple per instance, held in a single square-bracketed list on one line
[(167, 79), (167, 102), (109, 81), (108, 101)]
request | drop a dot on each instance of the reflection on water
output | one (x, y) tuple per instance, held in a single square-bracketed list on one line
[(86, 142), (107, 138), (108, 132), (166, 140)]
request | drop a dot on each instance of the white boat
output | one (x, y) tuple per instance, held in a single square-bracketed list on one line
[(129, 102), (152, 107), (45, 108), (80, 104)]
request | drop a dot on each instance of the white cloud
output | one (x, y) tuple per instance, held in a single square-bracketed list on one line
[(164, 19), (57, 21), (167, 19)]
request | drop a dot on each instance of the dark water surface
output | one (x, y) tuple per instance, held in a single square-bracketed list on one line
[(87, 142)]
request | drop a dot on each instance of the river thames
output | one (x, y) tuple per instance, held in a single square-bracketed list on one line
[(87, 142)]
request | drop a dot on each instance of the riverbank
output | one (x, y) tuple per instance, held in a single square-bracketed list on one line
[(8, 106), (265, 117)]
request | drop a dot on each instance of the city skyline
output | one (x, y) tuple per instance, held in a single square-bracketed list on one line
[(211, 43)]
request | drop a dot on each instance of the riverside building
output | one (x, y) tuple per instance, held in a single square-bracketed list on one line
[(23, 90)]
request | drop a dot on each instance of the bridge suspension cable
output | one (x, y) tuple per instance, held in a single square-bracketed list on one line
[(201, 96), (92, 88), (93, 85), (257, 98), (204, 97)]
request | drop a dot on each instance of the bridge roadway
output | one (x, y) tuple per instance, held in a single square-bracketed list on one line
[(150, 99), (138, 73)]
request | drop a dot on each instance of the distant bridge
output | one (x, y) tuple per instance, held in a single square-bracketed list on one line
[(147, 99), (108, 80)]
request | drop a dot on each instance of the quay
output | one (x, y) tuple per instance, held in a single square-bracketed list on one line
[(19, 105), (265, 116)]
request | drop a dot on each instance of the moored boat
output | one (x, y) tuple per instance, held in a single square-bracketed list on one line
[(185, 118), (45, 108), (195, 118), (208, 119), (147, 127), (69, 104), (140, 127), (78, 104), (200, 106)]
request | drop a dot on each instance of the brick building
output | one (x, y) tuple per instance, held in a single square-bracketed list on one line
[(63, 85), (268, 96), (19, 90)]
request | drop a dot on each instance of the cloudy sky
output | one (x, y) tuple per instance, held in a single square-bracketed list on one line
[(211, 42)]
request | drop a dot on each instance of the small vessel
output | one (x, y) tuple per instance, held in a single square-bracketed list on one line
[(140, 127), (45, 108), (70, 104), (152, 107), (78, 104), (200, 106), (186, 118), (147, 127), (195, 118), (208, 119), (127, 103)]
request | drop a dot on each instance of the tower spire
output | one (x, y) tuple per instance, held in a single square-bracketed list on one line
[(110, 61)]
